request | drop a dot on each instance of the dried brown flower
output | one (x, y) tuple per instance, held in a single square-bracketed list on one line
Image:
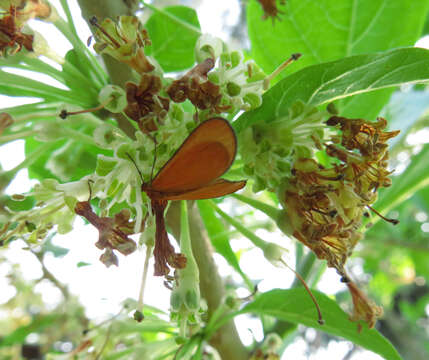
[(194, 86), (143, 102), (113, 232), (363, 308), (12, 40)]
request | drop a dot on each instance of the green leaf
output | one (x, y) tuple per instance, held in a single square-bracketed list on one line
[(218, 236), (323, 83), (174, 32), (324, 31), (295, 305)]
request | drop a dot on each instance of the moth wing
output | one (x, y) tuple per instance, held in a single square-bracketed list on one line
[(220, 187), (205, 155)]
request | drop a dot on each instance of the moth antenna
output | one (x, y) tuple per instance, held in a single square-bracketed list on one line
[(319, 312), (135, 164)]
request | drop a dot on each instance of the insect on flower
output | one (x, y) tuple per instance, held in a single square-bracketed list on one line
[(192, 173)]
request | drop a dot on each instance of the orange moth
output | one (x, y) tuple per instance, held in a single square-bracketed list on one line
[(192, 173)]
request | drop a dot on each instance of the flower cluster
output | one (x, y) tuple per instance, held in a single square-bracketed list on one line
[(269, 149), (119, 208), (325, 204)]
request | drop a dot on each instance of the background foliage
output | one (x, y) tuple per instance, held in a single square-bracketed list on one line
[(357, 54)]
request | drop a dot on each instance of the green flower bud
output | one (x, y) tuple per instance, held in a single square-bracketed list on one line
[(124, 151), (273, 252), (114, 97), (105, 165), (213, 77), (70, 201), (233, 89), (225, 60), (270, 148), (175, 300), (48, 131), (208, 46), (236, 58), (253, 99), (192, 299)]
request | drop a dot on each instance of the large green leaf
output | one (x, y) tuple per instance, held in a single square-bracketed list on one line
[(295, 305), (323, 83), (327, 30), (174, 32)]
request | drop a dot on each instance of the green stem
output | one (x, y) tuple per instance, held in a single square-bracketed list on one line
[(17, 85), (85, 54), (28, 108), (34, 64), (172, 17), (185, 239), (85, 57), (269, 210), (16, 136), (256, 240), (225, 340), (41, 115)]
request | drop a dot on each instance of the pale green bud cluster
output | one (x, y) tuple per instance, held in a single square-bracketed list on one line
[(240, 82), (269, 149)]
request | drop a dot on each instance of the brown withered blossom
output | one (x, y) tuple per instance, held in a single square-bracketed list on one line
[(113, 232), (364, 309), (12, 39), (144, 103), (326, 205), (200, 91)]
